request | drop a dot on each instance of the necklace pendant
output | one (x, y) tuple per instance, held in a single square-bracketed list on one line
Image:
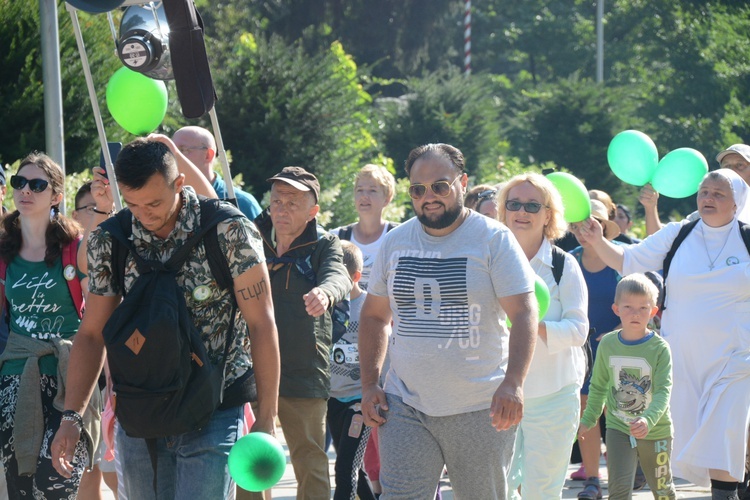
[(710, 267)]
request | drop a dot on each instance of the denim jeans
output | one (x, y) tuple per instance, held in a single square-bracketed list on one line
[(190, 465)]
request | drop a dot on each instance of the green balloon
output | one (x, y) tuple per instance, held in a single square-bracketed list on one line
[(136, 102), (257, 461), (542, 298), (680, 173), (632, 156), (575, 196)]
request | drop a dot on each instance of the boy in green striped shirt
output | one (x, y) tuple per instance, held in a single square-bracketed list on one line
[(632, 376)]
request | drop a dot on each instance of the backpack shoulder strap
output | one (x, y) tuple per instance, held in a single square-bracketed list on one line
[(120, 228), (345, 233), (744, 232), (558, 263), (212, 213), (70, 258), (684, 231), (392, 225)]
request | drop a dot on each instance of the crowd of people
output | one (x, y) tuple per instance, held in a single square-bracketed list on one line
[(418, 347)]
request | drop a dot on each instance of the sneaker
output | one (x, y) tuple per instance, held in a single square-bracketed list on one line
[(591, 489), (579, 475)]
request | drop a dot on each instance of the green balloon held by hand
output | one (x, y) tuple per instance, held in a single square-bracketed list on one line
[(575, 196), (257, 461), (136, 102), (632, 156), (679, 173)]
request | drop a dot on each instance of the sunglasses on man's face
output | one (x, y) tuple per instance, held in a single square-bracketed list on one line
[(36, 185), (440, 188), (531, 207)]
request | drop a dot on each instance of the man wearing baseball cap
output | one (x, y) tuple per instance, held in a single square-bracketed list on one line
[(736, 157), (308, 278)]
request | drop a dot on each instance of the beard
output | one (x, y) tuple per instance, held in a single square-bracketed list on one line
[(448, 217)]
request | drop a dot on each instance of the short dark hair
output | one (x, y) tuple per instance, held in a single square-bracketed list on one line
[(444, 151), (82, 191), (141, 159)]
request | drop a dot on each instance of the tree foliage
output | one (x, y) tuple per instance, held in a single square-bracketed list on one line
[(334, 84)]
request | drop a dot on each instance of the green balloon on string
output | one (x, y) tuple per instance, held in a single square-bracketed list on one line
[(136, 102), (257, 461), (680, 173), (632, 156), (575, 196), (541, 292)]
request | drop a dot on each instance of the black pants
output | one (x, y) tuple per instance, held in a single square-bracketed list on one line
[(46, 483), (350, 451)]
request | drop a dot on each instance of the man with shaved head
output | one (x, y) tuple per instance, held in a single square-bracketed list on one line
[(199, 145)]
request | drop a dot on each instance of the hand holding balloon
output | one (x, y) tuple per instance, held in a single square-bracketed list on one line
[(648, 197)]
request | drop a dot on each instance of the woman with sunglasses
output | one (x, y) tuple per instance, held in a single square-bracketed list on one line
[(43, 320), (531, 207)]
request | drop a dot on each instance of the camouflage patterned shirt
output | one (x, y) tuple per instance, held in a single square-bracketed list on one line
[(209, 306)]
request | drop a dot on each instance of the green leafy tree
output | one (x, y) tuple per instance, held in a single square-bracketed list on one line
[(285, 106), (22, 88), (445, 107)]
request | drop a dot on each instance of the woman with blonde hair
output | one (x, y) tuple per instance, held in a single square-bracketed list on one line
[(531, 207)]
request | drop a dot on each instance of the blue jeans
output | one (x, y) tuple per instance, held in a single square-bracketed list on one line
[(190, 465)]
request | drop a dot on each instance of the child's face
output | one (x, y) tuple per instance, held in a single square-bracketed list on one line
[(635, 311)]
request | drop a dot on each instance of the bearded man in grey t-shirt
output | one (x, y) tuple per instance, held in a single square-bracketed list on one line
[(449, 278)]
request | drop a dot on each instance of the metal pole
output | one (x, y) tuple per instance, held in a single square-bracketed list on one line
[(599, 41), (95, 105), (53, 107), (467, 37), (222, 154)]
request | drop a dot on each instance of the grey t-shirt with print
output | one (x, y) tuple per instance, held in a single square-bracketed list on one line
[(345, 374), (449, 348)]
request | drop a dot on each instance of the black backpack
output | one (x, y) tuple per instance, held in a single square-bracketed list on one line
[(161, 374), (345, 233), (558, 264)]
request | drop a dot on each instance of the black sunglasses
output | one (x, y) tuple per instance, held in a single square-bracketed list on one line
[(440, 188), (36, 185), (531, 207), (489, 193)]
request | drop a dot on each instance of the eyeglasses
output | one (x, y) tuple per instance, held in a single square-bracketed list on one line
[(36, 185), (440, 188), (489, 193), (88, 208), (531, 207), (185, 149)]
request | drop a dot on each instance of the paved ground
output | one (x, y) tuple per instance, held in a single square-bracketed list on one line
[(287, 487)]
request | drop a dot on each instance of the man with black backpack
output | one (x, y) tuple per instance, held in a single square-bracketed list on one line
[(177, 350)]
